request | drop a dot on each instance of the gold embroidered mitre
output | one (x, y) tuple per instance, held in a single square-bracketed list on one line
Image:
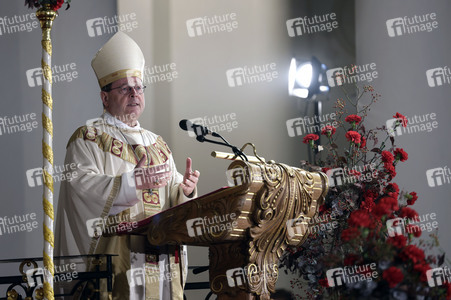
[(119, 58)]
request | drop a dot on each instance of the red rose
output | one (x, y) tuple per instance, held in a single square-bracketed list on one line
[(363, 143), (393, 276), (328, 130), (407, 212), (359, 218), (412, 198), (387, 157), (398, 241), (353, 119), (400, 154), (401, 118), (392, 190), (413, 253), (310, 137), (353, 136), (350, 234)]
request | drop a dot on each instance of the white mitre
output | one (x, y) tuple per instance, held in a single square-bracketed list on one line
[(120, 57)]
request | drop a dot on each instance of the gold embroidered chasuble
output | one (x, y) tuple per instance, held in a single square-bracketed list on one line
[(104, 155)]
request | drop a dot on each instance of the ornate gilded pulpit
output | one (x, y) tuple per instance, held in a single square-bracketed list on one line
[(246, 226)]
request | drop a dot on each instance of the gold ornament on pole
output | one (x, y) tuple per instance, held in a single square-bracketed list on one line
[(46, 15)]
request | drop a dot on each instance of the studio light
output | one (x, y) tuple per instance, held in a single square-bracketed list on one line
[(307, 79)]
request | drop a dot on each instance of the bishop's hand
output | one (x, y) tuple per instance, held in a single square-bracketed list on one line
[(189, 179), (151, 177)]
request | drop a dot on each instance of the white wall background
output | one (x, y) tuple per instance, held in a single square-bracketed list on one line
[(402, 62)]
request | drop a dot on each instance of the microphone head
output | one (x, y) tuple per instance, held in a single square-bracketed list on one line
[(185, 124)]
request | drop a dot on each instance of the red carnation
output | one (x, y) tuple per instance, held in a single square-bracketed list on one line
[(58, 5), (407, 212), (387, 157), (390, 169), (359, 218), (385, 206), (393, 276), (323, 282), (353, 136), (353, 119), (400, 154), (369, 197), (414, 229), (392, 190), (363, 143), (413, 253), (398, 241), (350, 234), (401, 118), (328, 130), (411, 198), (392, 202), (368, 204), (381, 209), (448, 290), (310, 137), (422, 268)]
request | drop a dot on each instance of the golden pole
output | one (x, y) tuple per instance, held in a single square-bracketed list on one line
[(46, 15)]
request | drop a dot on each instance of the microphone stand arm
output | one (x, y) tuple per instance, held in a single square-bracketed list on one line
[(235, 150)]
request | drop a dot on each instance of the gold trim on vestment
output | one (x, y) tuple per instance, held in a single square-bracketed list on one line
[(159, 151), (106, 209)]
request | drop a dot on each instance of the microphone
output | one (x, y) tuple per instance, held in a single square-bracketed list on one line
[(199, 130), (202, 131)]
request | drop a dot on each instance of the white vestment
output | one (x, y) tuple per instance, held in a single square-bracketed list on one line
[(106, 152)]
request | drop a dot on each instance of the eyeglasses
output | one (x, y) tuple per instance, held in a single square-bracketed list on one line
[(124, 90)]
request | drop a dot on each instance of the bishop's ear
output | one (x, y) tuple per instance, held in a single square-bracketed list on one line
[(104, 97)]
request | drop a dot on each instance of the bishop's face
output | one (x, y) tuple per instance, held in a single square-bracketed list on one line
[(123, 101)]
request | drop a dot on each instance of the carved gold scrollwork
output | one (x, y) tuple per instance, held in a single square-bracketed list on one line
[(288, 193)]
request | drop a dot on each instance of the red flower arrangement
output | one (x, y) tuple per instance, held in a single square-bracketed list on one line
[(364, 207), (54, 4), (353, 136), (400, 154), (328, 130), (353, 119), (402, 119), (393, 276), (310, 137)]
